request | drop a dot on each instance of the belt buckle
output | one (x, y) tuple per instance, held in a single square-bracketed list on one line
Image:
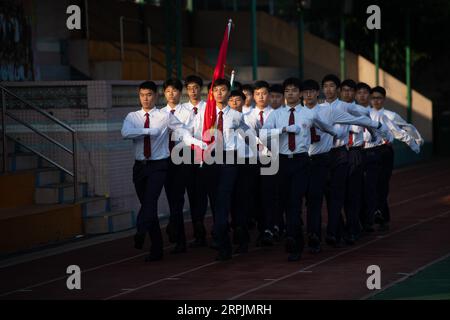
[(291, 156)]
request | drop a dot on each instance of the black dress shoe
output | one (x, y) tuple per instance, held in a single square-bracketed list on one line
[(290, 245), (151, 258), (243, 248), (198, 243), (331, 241), (179, 248), (139, 239), (314, 244), (223, 257), (384, 227), (350, 240), (170, 231), (267, 239), (378, 217), (294, 257), (368, 228)]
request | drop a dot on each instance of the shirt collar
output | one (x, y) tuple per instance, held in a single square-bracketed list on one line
[(224, 110), (297, 107), (177, 108), (142, 112)]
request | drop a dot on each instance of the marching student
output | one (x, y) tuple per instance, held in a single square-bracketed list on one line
[(149, 130), (219, 178), (197, 198), (276, 96), (319, 152), (339, 164), (263, 184), (177, 174), (236, 100), (353, 195), (292, 125), (381, 214), (362, 97), (249, 104)]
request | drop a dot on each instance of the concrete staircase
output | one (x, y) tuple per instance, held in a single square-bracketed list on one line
[(36, 206)]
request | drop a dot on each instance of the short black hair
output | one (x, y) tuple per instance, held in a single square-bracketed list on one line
[(222, 82), (247, 87), (278, 88), (310, 85), (148, 85), (349, 83), (173, 82), (237, 85), (363, 85), (238, 93), (292, 81), (332, 77), (193, 79), (261, 84), (379, 90)]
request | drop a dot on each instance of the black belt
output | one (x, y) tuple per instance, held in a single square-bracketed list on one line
[(340, 148), (356, 148), (294, 156), (145, 162)]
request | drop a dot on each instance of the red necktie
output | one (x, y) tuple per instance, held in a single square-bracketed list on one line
[(195, 110), (350, 138), (147, 146), (292, 135), (171, 143), (220, 122), (314, 136), (261, 118)]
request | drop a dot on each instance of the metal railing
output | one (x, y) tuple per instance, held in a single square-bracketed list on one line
[(72, 152)]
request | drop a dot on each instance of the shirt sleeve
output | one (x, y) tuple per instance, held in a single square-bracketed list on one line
[(130, 131), (357, 110), (342, 117)]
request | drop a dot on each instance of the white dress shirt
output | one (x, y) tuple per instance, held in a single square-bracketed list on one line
[(232, 120), (184, 115), (133, 128), (253, 121), (246, 109), (408, 127), (335, 116), (304, 118), (352, 108)]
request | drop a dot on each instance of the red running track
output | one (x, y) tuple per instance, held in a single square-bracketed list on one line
[(420, 208)]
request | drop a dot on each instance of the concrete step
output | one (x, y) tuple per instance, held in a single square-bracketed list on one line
[(58, 193), (46, 176), (109, 222), (17, 188), (92, 206), (22, 161), (30, 226)]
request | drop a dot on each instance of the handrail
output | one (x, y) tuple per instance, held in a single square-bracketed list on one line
[(72, 131)]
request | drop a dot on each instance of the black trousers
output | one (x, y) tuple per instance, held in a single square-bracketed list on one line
[(372, 168), (243, 199), (387, 164), (226, 179), (198, 199), (336, 191), (148, 179), (354, 192), (294, 173), (319, 171), (175, 187), (265, 197)]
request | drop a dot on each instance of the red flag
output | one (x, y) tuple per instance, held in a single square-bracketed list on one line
[(209, 120)]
